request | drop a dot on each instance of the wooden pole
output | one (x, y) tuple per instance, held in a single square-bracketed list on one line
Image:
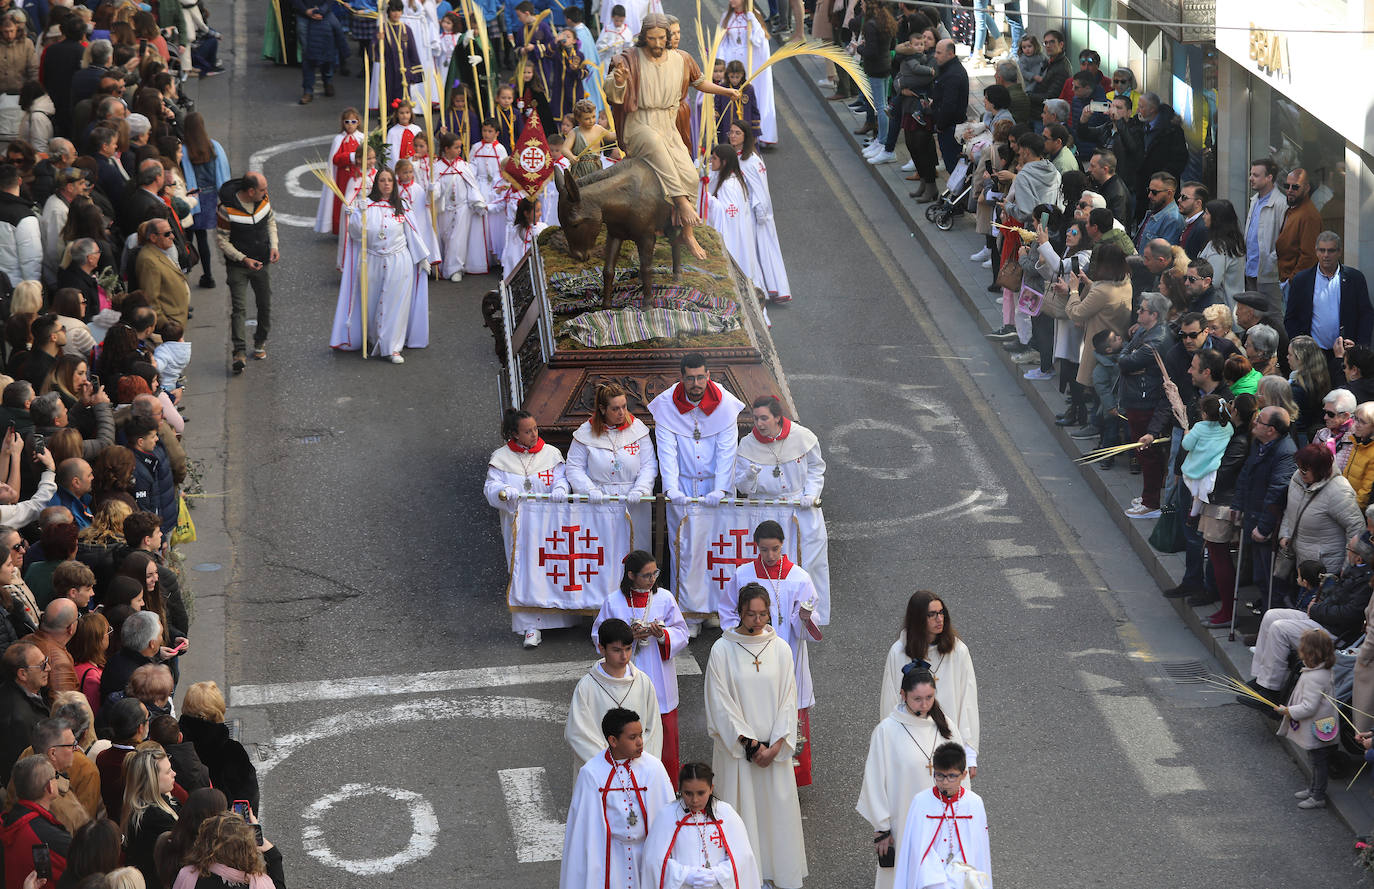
[(362, 196)]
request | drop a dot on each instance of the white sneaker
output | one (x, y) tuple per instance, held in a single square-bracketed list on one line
[(909, 167), (693, 631), (882, 157), (1038, 374), (1141, 511), (987, 263), (533, 638), (397, 359), (985, 253), (872, 148), (825, 82), (456, 277)]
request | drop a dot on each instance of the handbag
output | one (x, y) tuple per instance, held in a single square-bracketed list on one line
[(1167, 536), (1325, 729), (1286, 557), (1054, 304), (1030, 302), (1010, 276)]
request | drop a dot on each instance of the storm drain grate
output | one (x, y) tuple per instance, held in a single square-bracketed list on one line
[(310, 439), (1184, 672)]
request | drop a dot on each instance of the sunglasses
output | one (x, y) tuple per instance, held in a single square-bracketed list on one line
[(1191, 336), (1330, 414), (1292, 186), (1192, 279)]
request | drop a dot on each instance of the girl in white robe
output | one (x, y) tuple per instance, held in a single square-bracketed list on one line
[(746, 39), (728, 211), (520, 234), (462, 207), (360, 184), (771, 266), (341, 164), (400, 138), (525, 464), (444, 46), (397, 265), (613, 453), (899, 763), (421, 161), (946, 657), (487, 158), (698, 838), (416, 198)]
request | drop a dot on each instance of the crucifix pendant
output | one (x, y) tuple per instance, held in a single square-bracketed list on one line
[(529, 485), (696, 433), (633, 819), (615, 466), (757, 664), (777, 471), (929, 770)]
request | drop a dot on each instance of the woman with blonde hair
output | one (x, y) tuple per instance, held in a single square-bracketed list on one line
[(126, 878), (1359, 462), (1221, 323), (1311, 380), (202, 723), (1274, 391), (226, 853), (27, 297), (149, 808)]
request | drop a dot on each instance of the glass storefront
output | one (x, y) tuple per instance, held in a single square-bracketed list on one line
[(1294, 138)]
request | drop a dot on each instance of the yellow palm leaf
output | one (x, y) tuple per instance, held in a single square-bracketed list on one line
[(827, 51), (329, 183)]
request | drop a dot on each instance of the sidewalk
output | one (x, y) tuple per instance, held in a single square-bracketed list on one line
[(948, 253)]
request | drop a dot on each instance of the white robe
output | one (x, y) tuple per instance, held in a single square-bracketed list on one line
[(613, 41), (509, 471), (548, 195), (358, 185), (933, 843), (895, 771), (601, 848), (598, 691), (760, 703), (728, 211), (771, 265), (801, 472), (746, 40), (518, 243), (417, 198), (486, 159), (786, 595), (397, 291), (462, 207), (324, 214), (618, 461), (956, 688), (393, 140), (680, 844), (423, 20), (649, 655)]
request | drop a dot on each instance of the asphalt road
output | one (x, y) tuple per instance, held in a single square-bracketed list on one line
[(363, 549)]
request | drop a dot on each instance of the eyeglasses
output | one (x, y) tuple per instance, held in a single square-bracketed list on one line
[(934, 613), (653, 575), (1085, 204), (71, 746), (1120, 80), (20, 546), (41, 665), (948, 776), (1330, 414), (162, 234), (1292, 186), (351, 121), (1259, 422), (1154, 191)]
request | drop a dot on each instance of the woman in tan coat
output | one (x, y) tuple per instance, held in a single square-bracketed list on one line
[(158, 276), (1105, 306)]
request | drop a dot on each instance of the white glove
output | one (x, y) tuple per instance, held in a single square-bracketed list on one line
[(482, 207), (754, 470), (511, 494), (637, 497), (424, 267), (675, 496), (807, 500), (474, 61), (558, 495), (596, 498), (713, 498), (701, 878)]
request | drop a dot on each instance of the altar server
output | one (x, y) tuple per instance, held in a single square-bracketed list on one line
[(611, 682), (946, 843), (699, 841), (613, 453)]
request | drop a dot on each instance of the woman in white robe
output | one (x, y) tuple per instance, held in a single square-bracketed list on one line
[(487, 158), (613, 453), (525, 464), (939, 650), (899, 764), (728, 211), (771, 266), (397, 295), (416, 198), (698, 840), (751, 715), (746, 39), (520, 234), (462, 207)]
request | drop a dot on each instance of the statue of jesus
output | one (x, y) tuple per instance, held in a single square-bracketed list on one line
[(648, 82)]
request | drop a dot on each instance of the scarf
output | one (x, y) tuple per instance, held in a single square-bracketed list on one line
[(519, 449), (188, 876), (786, 430), (710, 400)]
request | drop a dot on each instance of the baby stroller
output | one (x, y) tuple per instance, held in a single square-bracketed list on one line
[(953, 199)]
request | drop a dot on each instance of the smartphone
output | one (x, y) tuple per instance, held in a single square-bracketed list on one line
[(94, 380), (1044, 220), (987, 165), (1099, 107), (241, 808), (1073, 264), (40, 443), (181, 648), (42, 862), (257, 833)]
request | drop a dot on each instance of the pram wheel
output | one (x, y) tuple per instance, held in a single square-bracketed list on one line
[(944, 217), (931, 210)]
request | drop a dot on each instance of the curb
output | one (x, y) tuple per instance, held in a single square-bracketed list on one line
[(1354, 807)]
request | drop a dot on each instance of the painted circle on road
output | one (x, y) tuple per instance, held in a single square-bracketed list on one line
[(303, 197), (423, 836)]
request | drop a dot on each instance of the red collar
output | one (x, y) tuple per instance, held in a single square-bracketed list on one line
[(948, 800), (639, 599), (786, 431), (783, 567), (709, 401), (514, 446)]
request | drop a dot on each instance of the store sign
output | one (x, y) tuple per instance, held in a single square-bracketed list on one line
[(1263, 37)]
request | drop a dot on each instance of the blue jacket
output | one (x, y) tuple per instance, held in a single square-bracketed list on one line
[(316, 38), (1166, 224), (80, 507), (153, 488), (1357, 314), (1262, 488)]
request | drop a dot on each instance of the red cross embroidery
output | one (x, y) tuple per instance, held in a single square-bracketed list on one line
[(737, 541), (549, 558), (546, 476), (632, 448), (731, 210)]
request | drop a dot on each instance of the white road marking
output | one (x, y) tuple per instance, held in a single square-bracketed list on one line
[(1142, 736), (538, 830), (240, 40), (907, 463), (299, 172), (1032, 586), (424, 830), (259, 160), (423, 683), (1009, 549)]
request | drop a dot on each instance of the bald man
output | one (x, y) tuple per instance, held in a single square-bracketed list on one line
[(57, 625), (247, 236), (1296, 246)]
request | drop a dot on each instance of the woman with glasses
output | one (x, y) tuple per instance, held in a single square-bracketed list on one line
[(660, 633), (1124, 87), (19, 602)]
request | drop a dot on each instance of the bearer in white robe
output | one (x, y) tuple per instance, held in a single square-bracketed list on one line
[(616, 800), (522, 228), (548, 195), (613, 453), (525, 464), (462, 206), (730, 212), (698, 841), (900, 764), (937, 648), (782, 459), (751, 715), (747, 40), (695, 428), (487, 158), (660, 635), (610, 683), (771, 265), (792, 608), (946, 831)]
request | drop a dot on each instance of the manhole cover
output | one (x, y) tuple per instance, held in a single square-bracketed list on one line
[(207, 566), (1184, 672)]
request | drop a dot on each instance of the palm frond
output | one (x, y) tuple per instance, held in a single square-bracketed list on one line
[(319, 169), (827, 51)]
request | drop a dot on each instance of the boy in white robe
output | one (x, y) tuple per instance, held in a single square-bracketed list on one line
[(615, 800), (660, 636), (947, 831), (792, 614), (487, 157), (751, 715), (611, 682), (616, 36), (698, 841), (462, 206)]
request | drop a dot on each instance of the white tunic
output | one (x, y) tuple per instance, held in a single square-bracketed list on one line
[(598, 691), (696, 450), (796, 457), (548, 195), (787, 594), (618, 461), (417, 200), (324, 214), (614, 806), (682, 844), (758, 702), (397, 292), (746, 40), (462, 207), (653, 656), (728, 211), (393, 141), (357, 185), (939, 835), (956, 688), (518, 241), (486, 159), (423, 19), (898, 767), (612, 40), (771, 266)]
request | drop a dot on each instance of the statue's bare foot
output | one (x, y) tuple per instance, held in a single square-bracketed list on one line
[(684, 214), (690, 240)]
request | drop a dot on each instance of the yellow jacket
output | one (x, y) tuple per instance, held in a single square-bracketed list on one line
[(1359, 470)]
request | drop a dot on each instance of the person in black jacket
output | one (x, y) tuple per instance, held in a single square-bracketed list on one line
[(1050, 83), (149, 809), (1102, 170), (1122, 134), (202, 723), (1165, 146), (228, 841), (60, 63), (24, 700), (1217, 523), (1262, 488), (949, 105)]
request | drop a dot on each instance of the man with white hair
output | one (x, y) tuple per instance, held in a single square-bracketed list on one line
[(86, 81), (139, 128), (61, 155), (141, 643)]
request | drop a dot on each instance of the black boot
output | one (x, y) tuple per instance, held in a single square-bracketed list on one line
[(1076, 415)]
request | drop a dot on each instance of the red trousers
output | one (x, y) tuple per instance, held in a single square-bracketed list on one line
[(802, 769), (670, 757)]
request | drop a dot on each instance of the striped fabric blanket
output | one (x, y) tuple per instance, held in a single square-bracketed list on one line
[(672, 311)]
